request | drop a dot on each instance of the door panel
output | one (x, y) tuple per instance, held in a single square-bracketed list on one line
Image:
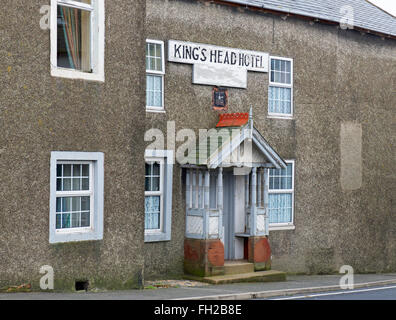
[(229, 215)]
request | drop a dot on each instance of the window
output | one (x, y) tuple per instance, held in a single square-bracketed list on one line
[(77, 39), (280, 92), (154, 194), (76, 202), (281, 196), (155, 69), (158, 195)]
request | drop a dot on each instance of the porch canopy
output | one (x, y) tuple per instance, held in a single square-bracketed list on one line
[(236, 144)]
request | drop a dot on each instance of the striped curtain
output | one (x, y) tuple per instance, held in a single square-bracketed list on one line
[(72, 28)]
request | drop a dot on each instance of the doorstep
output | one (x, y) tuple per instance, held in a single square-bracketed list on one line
[(260, 276)]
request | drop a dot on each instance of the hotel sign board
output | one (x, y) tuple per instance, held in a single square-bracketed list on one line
[(219, 66), (193, 53)]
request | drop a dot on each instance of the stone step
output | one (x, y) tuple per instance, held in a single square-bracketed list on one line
[(261, 276), (237, 267)]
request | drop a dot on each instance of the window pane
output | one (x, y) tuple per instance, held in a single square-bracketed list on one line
[(66, 184), (58, 204), (154, 56), (58, 184), (85, 219), (67, 170), (73, 212), (279, 100), (66, 221), (148, 184), (154, 91), (152, 212), (85, 184), (76, 170), (277, 65), (76, 220), (76, 204), (59, 170), (288, 66), (85, 170), (74, 39), (58, 221), (66, 204), (280, 208), (156, 169), (85, 203), (76, 184), (155, 184)]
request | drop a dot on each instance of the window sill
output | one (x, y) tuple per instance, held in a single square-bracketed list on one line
[(282, 227), (286, 117), (77, 75), (75, 237), (155, 110), (156, 237)]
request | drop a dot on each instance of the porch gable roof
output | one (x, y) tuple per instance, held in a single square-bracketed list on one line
[(219, 143)]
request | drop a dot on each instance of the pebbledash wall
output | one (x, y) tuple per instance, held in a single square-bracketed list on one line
[(344, 95), (40, 114), (343, 81)]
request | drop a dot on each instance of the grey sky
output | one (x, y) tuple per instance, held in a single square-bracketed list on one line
[(386, 5)]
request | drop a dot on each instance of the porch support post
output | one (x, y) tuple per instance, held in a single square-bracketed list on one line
[(188, 189), (253, 213), (247, 191), (194, 190), (207, 189), (259, 189), (266, 199), (220, 201), (200, 190)]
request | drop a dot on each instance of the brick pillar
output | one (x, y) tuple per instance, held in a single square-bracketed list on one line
[(203, 257), (259, 253)]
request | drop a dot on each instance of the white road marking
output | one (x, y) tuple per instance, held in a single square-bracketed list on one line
[(334, 293)]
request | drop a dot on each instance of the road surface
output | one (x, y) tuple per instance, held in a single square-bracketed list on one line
[(376, 293)]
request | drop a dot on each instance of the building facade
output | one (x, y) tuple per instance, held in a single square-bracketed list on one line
[(98, 179)]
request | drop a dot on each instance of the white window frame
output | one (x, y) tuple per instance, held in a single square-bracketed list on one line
[(157, 73), (83, 193), (288, 225), (159, 193), (97, 10), (282, 85), (164, 233), (95, 230)]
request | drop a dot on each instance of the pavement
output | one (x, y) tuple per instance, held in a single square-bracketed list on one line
[(187, 290)]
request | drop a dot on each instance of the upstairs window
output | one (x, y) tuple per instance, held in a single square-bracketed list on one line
[(77, 39), (155, 70), (280, 93)]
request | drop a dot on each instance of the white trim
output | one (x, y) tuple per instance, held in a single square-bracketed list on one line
[(161, 74), (164, 233), (95, 231), (288, 225), (276, 227), (286, 116), (159, 193), (97, 41)]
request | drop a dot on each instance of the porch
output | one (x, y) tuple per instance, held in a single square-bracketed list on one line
[(227, 202)]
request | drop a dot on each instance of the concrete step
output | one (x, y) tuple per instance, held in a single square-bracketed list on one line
[(261, 276), (237, 267)]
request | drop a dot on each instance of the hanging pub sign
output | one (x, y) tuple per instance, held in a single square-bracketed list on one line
[(220, 99), (219, 66)]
